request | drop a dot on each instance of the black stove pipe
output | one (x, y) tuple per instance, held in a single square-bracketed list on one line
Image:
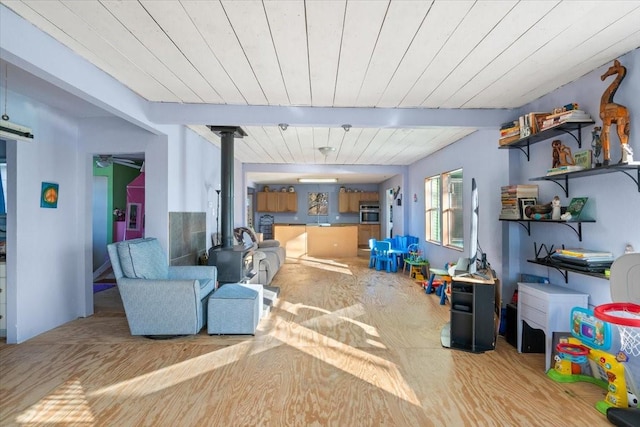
[(226, 180)]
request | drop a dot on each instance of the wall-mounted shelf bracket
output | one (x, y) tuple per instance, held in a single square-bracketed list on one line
[(526, 224), (522, 148), (565, 271), (636, 179), (564, 187), (578, 138), (577, 230), (562, 180)]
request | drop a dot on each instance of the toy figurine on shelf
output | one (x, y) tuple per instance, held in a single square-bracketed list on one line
[(561, 154), (555, 208), (613, 113), (596, 145)]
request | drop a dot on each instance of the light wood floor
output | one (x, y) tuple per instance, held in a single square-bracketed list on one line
[(345, 346)]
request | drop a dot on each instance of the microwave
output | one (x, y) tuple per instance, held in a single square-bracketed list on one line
[(369, 214)]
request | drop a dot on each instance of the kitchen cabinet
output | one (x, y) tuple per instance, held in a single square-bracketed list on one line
[(366, 232), (350, 202), (276, 202)]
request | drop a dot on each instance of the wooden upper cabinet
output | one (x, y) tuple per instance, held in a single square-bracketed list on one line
[(261, 201), (267, 202), (350, 202), (287, 202), (369, 196), (343, 202), (354, 202), (277, 202)]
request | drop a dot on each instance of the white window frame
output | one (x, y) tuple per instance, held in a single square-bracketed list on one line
[(432, 206), (452, 210)]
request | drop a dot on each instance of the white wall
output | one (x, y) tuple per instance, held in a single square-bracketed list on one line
[(59, 240), (193, 175), (45, 246)]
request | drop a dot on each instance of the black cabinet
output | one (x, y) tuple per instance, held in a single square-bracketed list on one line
[(532, 339), (473, 315)]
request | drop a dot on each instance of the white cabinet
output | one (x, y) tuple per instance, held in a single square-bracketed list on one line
[(547, 307)]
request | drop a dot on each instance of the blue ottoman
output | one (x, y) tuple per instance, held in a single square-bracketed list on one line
[(233, 310)]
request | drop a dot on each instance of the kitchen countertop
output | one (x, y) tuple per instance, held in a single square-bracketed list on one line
[(318, 240)]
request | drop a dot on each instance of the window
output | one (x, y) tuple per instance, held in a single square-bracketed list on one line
[(443, 209), (452, 227), (432, 209)]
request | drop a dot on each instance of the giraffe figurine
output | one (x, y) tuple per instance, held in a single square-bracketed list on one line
[(612, 113)]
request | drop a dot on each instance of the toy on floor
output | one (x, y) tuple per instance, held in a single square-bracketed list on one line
[(596, 353)]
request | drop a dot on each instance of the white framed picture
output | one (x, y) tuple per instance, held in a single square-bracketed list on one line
[(524, 202)]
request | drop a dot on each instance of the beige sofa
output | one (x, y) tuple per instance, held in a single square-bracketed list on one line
[(269, 255)]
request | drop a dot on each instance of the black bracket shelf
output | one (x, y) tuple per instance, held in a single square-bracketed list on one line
[(565, 271), (526, 223), (562, 129), (624, 168)]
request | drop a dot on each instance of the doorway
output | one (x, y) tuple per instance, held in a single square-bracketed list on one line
[(111, 175), (388, 208)]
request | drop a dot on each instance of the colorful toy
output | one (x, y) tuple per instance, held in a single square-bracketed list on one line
[(587, 356)]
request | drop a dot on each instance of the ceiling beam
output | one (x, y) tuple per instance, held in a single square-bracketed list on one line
[(249, 115)]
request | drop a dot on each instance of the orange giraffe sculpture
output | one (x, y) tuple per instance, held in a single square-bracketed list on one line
[(612, 113)]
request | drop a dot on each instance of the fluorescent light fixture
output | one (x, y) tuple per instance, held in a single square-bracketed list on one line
[(316, 180), (14, 131)]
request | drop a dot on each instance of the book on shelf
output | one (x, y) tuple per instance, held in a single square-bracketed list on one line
[(576, 116), (509, 139), (583, 158), (584, 252), (511, 197), (576, 206), (570, 115), (564, 169), (576, 264), (509, 215), (505, 133), (507, 125), (584, 259), (535, 121)]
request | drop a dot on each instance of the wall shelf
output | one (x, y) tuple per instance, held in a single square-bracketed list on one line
[(566, 128), (565, 271), (624, 168), (526, 223)]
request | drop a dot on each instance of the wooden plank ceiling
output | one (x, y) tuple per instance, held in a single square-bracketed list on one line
[(338, 53)]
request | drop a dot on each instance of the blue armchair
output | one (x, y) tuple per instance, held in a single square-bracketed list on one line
[(160, 299)]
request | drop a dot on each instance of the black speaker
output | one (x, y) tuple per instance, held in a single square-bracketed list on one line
[(532, 339), (511, 332)]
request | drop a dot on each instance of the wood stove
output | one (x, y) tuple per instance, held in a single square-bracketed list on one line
[(235, 264)]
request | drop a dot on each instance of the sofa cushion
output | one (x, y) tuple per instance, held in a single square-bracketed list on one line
[(143, 259), (245, 235), (269, 244)]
